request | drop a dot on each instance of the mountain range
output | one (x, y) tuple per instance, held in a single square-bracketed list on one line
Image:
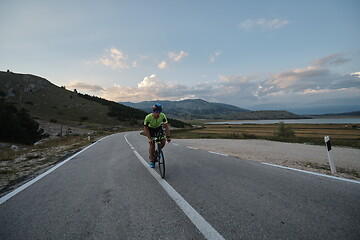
[(201, 109), (49, 102)]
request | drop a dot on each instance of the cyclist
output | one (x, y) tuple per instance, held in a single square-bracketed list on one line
[(153, 125)]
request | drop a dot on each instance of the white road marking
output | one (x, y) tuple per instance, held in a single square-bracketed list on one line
[(192, 148), (204, 227), (28, 184), (221, 154), (175, 144), (318, 174)]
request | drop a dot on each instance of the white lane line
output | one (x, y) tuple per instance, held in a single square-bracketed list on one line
[(192, 148), (200, 223), (175, 144), (318, 174), (221, 154), (28, 184)]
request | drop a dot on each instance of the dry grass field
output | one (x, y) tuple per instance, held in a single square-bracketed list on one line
[(340, 134)]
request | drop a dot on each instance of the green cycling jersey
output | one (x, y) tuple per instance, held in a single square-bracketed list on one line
[(151, 122)]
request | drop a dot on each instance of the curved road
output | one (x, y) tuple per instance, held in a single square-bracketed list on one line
[(106, 192)]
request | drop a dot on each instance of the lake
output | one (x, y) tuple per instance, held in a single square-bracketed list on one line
[(305, 121)]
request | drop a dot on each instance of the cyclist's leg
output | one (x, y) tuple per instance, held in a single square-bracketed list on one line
[(151, 145), (151, 150), (162, 143), (162, 137)]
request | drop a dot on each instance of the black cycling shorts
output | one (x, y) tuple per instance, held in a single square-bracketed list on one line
[(156, 132)]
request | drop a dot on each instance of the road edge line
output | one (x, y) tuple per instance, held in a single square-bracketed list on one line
[(200, 223), (31, 182), (313, 173), (221, 154)]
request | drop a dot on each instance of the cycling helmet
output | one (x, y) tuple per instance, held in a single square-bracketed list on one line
[(157, 108)]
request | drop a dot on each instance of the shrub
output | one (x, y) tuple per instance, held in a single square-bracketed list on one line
[(82, 119), (249, 136), (284, 131), (234, 136), (18, 126)]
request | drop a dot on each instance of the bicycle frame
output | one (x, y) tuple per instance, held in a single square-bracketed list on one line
[(159, 155)]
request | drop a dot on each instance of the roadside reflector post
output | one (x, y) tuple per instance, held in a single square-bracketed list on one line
[(331, 161)]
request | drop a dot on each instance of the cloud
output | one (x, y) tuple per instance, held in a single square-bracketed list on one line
[(263, 24), (314, 77), (331, 60), (163, 65), (294, 87), (230, 80), (85, 87), (115, 59), (355, 74), (150, 88), (177, 57), (214, 56)]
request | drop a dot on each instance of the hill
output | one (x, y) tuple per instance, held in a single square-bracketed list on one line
[(48, 102), (190, 108), (200, 109)]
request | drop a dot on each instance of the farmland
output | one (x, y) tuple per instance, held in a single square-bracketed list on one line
[(340, 134)]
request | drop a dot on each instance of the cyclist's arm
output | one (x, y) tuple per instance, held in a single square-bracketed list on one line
[(167, 130)]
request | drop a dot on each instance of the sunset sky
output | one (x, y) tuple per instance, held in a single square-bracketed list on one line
[(301, 56)]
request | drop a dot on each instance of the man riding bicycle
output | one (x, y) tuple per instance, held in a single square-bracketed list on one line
[(153, 126)]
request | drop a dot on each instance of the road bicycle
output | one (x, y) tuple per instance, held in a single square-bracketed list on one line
[(159, 155)]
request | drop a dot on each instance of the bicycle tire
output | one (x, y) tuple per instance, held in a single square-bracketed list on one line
[(161, 163)]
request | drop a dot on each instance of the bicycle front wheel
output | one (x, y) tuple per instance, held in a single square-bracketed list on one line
[(161, 164)]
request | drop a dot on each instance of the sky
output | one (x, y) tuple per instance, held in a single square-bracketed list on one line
[(300, 56)]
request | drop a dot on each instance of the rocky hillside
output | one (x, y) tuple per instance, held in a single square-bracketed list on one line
[(46, 101)]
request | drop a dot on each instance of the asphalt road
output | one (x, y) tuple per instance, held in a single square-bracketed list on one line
[(107, 193)]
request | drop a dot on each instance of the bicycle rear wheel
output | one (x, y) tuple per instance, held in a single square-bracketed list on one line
[(161, 163)]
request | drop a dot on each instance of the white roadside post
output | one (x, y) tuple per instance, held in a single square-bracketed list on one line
[(331, 161)]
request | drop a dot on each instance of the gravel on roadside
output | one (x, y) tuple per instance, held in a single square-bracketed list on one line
[(295, 155)]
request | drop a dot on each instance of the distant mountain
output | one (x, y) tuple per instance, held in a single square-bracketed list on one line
[(49, 102), (189, 109), (265, 115), (347, 114), (200, 109)]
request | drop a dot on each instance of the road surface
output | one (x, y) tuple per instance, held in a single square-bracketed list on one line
[(106, 192)]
